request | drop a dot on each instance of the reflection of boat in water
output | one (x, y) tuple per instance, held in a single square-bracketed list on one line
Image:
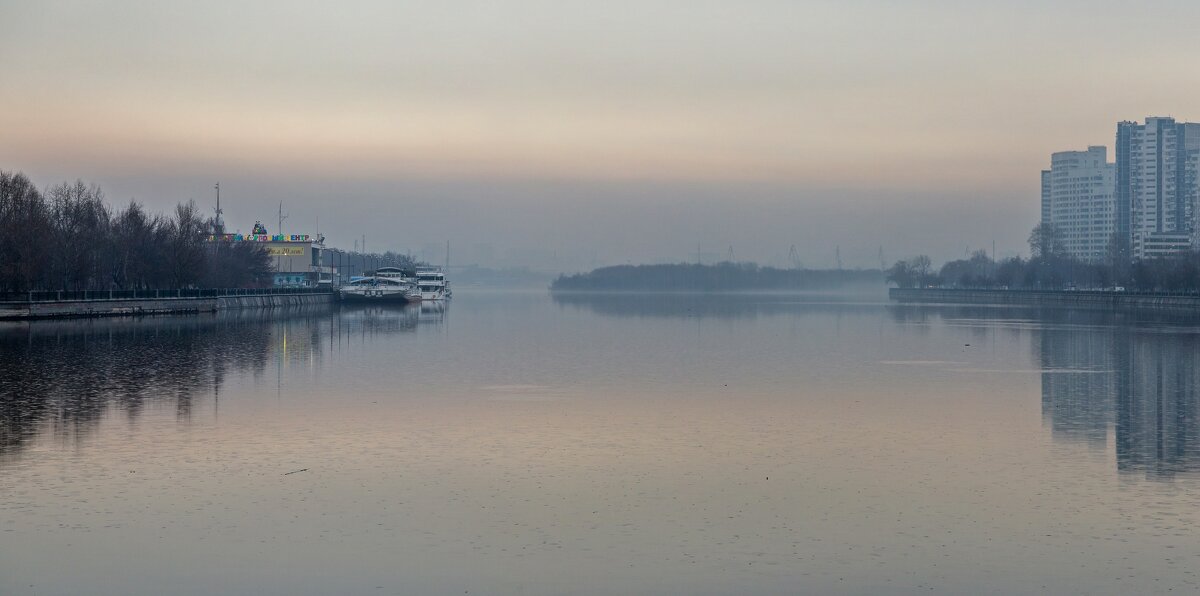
[(433, 310), (432, 284), (387, 284), (377, 317)]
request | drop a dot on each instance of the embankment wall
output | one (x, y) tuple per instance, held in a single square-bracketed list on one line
[(148, 306), (1082, 299)]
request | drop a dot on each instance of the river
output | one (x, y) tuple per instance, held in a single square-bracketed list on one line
[(519, 443)]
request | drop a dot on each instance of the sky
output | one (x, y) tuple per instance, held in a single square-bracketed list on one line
[(564, 135)]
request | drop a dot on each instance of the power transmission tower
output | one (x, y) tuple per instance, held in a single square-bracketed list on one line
[(837, 251), (794, 257)]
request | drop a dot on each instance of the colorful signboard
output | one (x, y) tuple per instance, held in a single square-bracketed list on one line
[(260, 238)]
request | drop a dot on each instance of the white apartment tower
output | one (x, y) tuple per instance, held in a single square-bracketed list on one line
[(1045, 196), (1156, 185), (1077, 198)]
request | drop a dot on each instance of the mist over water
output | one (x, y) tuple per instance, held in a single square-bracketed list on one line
[(521, 443)]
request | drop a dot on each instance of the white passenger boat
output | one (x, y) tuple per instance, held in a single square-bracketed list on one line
[(432, 284), (387, 284)]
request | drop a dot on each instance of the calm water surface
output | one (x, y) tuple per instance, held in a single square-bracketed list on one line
[(519, 443)]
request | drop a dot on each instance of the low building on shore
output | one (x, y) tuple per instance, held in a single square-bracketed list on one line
[(295, 258)]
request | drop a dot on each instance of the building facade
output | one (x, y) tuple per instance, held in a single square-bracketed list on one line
[(1156, 185), (1046, 197), (1077, 199), (295, 258)]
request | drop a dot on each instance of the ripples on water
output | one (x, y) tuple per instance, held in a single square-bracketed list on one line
[(515, 443)]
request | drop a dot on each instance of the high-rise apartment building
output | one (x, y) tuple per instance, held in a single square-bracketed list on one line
[(1156, 185), (1045, 196), (1077, 199)]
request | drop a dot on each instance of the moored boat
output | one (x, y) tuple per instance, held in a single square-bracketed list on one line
[(386, 284), (431, 284)]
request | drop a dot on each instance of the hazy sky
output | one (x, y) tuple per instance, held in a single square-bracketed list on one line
[(570, 133)]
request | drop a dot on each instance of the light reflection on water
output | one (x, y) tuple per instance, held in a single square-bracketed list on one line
[(518, 443)]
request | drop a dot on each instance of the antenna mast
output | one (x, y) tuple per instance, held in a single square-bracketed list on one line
[(218, 226), (281, 218)]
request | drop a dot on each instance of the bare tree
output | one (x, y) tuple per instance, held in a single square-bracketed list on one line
[(1047, 241), (235, 264), (185, 249), (1118, 257), (25, 234), (80, 222), (138, 248), (922, 266)]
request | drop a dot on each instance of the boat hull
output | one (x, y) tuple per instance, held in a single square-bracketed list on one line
[(375, 296)]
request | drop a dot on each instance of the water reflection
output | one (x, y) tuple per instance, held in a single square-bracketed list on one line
[(613, 444), (62, 378), (1135, 384)]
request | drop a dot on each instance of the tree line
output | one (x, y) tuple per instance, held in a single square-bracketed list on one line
[(1050, 266), (721, 277), (68, 238)]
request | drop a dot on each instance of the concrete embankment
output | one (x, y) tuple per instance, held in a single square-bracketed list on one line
[(149, 306), (1079, 299)]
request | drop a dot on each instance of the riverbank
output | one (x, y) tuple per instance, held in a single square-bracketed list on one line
[(1081, 299), (162, 304)]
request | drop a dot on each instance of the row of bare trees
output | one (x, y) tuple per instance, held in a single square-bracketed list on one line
[(68, 238), (1050, 266)]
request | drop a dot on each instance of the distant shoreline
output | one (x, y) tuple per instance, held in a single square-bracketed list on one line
[(1093, 299), (721, 277), (842, 291)]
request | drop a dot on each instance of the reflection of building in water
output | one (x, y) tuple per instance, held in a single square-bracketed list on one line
[(1142, 385), (1077, 385), (1159, 414)]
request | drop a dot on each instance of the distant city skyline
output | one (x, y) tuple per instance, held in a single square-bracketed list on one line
[(627, 132), (1144, 204)]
